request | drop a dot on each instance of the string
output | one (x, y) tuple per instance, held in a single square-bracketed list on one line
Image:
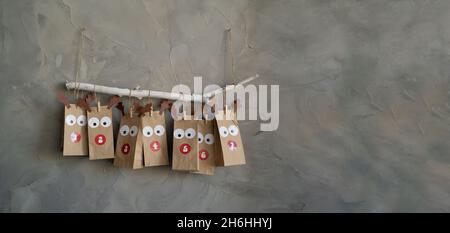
[(96, 98), (231, 56), (77, 89), (230, 51), (77, 74), (129, 104), (150, 102), (149, 99)]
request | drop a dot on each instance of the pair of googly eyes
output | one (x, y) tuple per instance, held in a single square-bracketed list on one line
[(209, 138), (148, 131), (231, 130), (94, 122), (125, 130), (188, 133), (72, 120)]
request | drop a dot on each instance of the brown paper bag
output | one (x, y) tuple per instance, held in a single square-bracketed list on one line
[(184, 156), (75, 131), (206, 149), (231, 150), (154, 139), (100, 132), (218, 154), (129, 143)]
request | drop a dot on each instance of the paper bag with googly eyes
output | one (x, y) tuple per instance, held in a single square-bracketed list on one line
[(205, 147), (100, 132), (231, 150), (184, 156), (154, 139), (75, 131), (129, 143)]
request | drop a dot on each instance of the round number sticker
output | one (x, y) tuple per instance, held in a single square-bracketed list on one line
[(126, 149), (100, 139), (155, 146), (232, 145), (203, 154), (185, 148), (75, 137)]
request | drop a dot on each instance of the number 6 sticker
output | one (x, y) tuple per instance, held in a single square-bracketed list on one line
[(185, 148), (203, 154)]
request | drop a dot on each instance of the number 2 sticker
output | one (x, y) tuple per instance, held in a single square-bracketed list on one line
[(232, 145)]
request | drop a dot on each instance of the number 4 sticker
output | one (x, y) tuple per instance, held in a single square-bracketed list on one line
[(155, 146)]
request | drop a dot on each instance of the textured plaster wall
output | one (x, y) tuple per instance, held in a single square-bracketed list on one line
[(364, 102)]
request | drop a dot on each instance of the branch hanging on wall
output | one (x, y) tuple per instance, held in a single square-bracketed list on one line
[(229, 88), (149, 93)]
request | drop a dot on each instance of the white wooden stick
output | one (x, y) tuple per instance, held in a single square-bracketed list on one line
[(228, 88), (148, 93), (134, 93)]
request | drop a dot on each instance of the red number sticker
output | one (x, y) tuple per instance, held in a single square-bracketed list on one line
[(185, 148), (75, 137), (126, 149), (155, 146), (100, 139), (203, 154), (232, 145)]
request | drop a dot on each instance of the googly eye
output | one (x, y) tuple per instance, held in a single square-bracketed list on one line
[(71, 120), (209, 139), (147, 131), (105, 121), (234, 130), (93, 122), (133, 131), (124, 130), (190, 133), (159, 130), (200, 137), (81, 120), (178, 133), (223, 131)]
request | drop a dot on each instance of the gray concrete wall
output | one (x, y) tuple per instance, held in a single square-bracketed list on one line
[(364, 102)]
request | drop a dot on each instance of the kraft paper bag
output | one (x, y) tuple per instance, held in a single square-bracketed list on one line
[(218, 154), (129, 143), (100, 132), (205, 147), (75, 136), (184, 156), (154, 139), (231, 150)]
